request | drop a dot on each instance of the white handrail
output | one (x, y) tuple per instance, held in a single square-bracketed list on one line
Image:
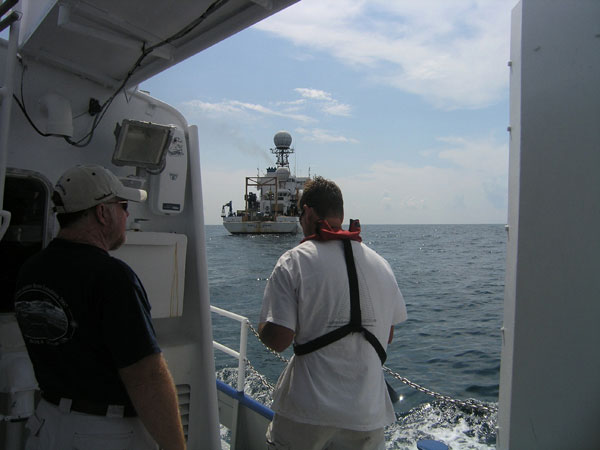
[(226, 349), (241, 355), (224, 312)]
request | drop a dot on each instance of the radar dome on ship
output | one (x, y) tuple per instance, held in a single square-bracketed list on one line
[(282, 139), (283, 173)]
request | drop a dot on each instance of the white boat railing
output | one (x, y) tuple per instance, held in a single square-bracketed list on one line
[(241, 354)]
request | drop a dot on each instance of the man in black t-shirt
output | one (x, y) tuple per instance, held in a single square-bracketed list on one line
[(85, 319)]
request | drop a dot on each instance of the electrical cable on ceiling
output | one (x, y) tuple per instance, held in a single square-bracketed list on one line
[(21, 104), (85, 140)]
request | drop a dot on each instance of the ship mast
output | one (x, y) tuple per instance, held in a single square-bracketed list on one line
[(282, 150)]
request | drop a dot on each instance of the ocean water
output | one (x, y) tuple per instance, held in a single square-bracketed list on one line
[(452, 279)]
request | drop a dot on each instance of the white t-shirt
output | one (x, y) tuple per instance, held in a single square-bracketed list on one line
[(341, 384)]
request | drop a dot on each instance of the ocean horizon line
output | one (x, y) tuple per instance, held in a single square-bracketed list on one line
[(399, 224)]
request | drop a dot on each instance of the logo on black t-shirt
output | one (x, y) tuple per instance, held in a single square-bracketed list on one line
[(43, 316)]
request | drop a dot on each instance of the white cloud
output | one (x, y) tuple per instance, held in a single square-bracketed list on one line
[(453, 54), (212, 108), (315, 94), (479, 155), (337, 109), (323, 136), (473, 190), (289, 109), (235, 107), (292, 104), (325, 101)]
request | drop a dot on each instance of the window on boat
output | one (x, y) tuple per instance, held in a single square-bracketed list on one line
[(27, 198)]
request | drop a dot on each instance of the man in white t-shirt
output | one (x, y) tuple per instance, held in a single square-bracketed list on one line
[(337, 301)]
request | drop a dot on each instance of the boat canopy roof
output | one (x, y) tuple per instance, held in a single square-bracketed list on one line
[(80, 36)]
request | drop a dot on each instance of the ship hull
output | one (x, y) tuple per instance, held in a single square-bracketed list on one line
[(289, 226)]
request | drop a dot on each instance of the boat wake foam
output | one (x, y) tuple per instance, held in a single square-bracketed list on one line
[(456, 427)]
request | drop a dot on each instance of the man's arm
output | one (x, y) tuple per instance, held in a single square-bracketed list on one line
[(152, 392), (391, 338), (275, 336)]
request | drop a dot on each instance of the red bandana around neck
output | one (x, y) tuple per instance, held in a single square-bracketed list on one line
[(326, 233)]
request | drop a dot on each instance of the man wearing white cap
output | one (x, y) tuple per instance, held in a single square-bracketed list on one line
[(85, 319)]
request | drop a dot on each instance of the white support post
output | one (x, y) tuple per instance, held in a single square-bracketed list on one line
[(242, 361), (6, 93)]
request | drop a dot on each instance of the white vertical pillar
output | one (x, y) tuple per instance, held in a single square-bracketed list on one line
[(6, 93), (549, 390)]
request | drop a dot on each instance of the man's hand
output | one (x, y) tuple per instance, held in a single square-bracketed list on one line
[(275, 336)]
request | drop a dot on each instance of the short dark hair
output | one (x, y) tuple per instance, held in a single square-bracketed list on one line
[(67, 219), (324, 196)]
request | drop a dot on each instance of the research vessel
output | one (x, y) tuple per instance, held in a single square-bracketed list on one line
[(271, 200)]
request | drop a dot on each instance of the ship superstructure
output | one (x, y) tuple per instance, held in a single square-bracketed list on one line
[(271, 200)]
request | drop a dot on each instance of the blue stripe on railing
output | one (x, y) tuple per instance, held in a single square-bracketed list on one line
[(244, 400)]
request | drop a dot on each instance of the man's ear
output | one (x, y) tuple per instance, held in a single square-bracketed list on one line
[(101, 213)]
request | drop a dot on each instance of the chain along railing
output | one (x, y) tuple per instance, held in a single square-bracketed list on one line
[(467, 404)]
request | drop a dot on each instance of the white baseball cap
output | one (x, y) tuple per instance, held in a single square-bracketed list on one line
[(82, 187)]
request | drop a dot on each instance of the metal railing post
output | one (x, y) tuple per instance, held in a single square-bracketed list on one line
[(241, 355), (241, 378), (242, 362)]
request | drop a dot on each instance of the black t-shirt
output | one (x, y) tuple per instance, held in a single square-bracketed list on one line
[(83, 315)]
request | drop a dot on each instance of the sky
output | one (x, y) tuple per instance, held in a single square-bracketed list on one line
[(403, 104)]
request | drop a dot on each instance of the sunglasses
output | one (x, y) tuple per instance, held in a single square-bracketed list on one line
[(123, 203)]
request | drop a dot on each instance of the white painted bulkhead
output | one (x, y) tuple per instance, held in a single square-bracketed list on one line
[(549, 389), (184, 336)]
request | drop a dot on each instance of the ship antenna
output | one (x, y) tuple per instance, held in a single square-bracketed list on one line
[(283, 141)]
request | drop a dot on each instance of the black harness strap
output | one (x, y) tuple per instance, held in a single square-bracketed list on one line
[(355, 313), (355, 324)]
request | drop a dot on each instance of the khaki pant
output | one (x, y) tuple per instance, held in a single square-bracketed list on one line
[(51, 429), (285, 434)]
